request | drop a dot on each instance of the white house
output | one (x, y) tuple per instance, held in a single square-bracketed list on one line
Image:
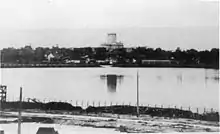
[(50, 56)]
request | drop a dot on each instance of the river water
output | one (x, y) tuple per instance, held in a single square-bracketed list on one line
[(197, 88)]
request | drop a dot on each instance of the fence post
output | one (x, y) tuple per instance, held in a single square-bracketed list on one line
[(161, 106), (87, 103), (82, 103), (76, 103), (204, 110), (181, 108), (189, 108), (111, 103), (175, 107), (155, 105), (197, 110), (93, 103), (129, 103), (211, 110), (105, 103), (99, 103)]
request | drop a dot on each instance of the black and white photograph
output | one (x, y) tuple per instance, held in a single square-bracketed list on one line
[(109, 67)]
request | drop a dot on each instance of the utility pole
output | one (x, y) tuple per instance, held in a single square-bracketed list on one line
[(19, 111), (137, 95)]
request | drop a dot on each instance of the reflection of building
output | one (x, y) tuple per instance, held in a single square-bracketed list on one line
[(112, 42), (112, 80)]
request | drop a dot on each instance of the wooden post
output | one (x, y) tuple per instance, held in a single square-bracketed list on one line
[(137, 95), (19, 112), (82, 103)]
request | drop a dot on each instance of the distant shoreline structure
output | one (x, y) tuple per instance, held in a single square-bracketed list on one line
[(112, 52)]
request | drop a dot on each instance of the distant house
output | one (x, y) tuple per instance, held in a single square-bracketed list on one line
[(159, 62), (129, 49), (101, 61), (50, 57), (46, 130), (72, 61)]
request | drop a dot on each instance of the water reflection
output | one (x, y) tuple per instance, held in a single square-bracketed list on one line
[(112, 81), (159, 78), (179, 78), (214, 77)]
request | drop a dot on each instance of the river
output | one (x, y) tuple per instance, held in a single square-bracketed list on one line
[(197, 88)]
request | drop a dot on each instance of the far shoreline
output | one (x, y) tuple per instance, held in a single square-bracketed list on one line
[(8, 65)]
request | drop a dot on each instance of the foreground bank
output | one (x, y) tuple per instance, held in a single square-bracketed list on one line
[(114, 109), (105, 123)]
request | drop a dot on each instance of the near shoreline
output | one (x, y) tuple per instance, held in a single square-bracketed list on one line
[(114, 109)]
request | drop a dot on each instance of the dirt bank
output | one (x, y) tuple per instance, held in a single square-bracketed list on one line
[(122, 123), (115, 109)]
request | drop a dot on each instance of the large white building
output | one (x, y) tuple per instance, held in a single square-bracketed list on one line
[(112, 42)]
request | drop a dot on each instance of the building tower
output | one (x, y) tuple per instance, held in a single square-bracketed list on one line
[(111, 38), (112, 42)]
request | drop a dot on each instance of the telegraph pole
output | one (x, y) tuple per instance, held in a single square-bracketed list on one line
[(137, 95), (19, 111)]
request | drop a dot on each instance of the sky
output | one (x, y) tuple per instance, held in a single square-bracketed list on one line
[(35, 21)]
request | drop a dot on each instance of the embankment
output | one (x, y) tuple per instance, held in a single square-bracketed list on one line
[(115, 109)]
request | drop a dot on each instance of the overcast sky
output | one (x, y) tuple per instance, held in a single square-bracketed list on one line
[(71, 14)]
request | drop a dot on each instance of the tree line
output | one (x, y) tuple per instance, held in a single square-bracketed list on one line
[(28, 55)]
